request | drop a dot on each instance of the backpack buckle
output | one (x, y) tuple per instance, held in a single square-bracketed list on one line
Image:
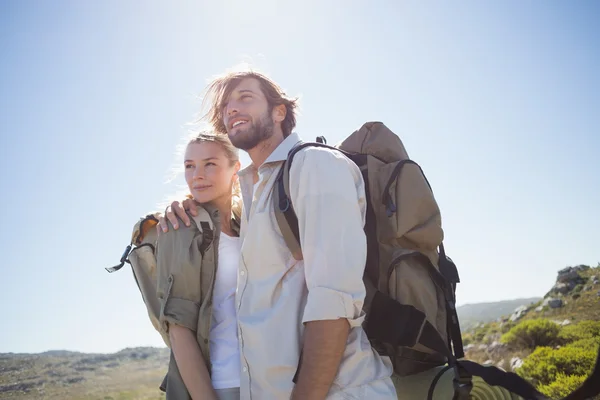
[(122, 261), (462, 382)]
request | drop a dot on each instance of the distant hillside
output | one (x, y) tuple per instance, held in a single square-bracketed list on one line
[(472, 314), (53, 375)]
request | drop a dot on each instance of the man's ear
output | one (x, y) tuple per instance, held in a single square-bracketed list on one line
[(279, 113)]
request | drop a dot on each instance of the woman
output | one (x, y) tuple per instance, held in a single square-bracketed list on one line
[(197, 275)]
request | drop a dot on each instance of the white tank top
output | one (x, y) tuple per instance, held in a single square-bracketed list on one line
[(224, 349)]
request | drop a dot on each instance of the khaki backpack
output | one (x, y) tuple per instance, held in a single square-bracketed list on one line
[(410, 282), (141, 255)]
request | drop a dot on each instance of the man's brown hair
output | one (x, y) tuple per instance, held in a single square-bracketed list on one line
[(220, 89)]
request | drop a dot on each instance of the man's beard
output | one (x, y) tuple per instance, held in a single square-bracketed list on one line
[(249, 138)]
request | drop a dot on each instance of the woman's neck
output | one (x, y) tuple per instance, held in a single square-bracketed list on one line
[(224, 207)]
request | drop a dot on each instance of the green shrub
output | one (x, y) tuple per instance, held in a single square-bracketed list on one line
[(581, 330), (467, 339), (544, 365), (562, 386), (532, 333)]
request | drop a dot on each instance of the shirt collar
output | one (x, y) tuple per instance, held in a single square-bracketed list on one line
[(279, 154)]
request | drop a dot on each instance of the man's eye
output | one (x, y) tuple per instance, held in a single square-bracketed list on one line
[(188, 166)]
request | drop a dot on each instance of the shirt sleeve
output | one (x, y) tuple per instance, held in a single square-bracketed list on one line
[(328, 196), (179, 277)]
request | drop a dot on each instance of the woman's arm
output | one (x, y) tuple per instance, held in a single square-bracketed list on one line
[(190, 363)]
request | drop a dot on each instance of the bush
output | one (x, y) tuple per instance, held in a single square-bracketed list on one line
[(532, 333), (562, 386), (545, 364), (579, 331)]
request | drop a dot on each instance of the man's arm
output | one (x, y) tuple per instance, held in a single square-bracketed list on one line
[(323, 348), (328, 197)]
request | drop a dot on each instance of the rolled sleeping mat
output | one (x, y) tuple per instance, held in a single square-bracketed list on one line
[(416, 387)]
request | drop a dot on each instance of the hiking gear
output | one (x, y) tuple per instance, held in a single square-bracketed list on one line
[(181, 291), (140, 254), (410, 302)]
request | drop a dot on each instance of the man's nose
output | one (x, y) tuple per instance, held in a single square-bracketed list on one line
[(232, 108)]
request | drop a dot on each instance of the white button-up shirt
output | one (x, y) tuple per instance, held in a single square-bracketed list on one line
[(276, 294)]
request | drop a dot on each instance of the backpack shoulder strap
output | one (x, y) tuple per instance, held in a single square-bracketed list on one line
[(205, 225), (284, 210)]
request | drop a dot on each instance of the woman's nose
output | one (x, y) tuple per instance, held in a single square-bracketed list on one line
[(198, 174)]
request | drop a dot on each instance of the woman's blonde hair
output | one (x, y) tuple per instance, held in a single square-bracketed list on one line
[(232, 155)]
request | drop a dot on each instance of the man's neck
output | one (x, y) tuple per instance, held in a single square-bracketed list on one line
[(263, 150)]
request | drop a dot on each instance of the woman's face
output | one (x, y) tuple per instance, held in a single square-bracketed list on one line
[(208, 172)]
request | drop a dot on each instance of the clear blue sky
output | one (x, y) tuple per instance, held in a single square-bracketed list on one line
[(498, 101)]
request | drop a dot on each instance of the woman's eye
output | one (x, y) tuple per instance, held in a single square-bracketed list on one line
[(188, 166), (210, 163)]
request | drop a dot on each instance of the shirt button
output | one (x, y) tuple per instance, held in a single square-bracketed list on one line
[(245, 369), (242, 273)]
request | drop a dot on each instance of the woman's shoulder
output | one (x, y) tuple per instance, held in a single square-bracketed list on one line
[(200, 225)]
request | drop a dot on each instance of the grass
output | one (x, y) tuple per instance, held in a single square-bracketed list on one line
[(130, 374)]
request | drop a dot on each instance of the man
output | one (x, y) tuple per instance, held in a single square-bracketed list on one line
[(298, 321)]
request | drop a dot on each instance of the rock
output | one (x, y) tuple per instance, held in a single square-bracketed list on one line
[(567, 274), (515, 363), (501, 364), (539, 309), (555, 303), (469, 347), (563, 287), (496, 346), (519, 313), (488, 362), (482, 347), (595, 281)]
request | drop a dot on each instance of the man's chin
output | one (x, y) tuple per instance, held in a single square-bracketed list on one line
[(242, 142)]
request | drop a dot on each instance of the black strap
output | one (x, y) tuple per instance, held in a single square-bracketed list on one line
[(122, 261), (207, 236), (508, 380)]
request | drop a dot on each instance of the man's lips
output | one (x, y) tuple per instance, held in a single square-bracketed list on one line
[(237, 121)]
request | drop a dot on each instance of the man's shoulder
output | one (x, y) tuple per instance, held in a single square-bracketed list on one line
[(322, 156), (325, 167)]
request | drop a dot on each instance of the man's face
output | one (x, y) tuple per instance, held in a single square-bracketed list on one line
[(246, 115)]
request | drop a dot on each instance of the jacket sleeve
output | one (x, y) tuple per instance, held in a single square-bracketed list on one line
[(179, 261)]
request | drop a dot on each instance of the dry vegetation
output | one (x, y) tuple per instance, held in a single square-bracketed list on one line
[(128, 374)]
